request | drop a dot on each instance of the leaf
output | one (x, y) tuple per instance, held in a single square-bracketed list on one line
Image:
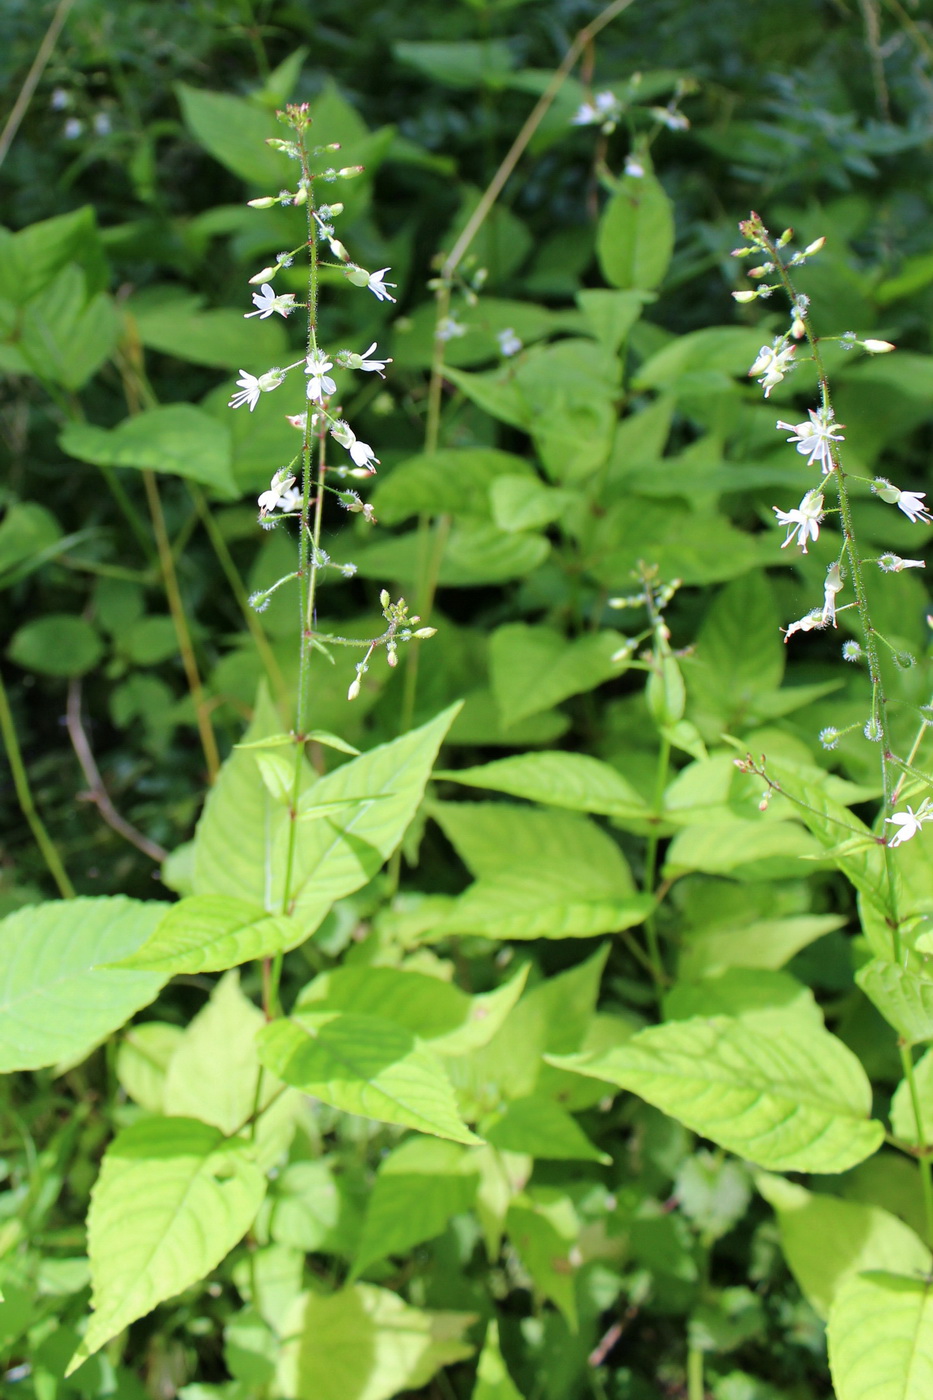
[(904, 998), (764, 943), (56, 645), (739, 654), (571, 780), (881, 1338), (172, 1199), (66, 334), (903, 1117), (28, 534), (531, 901), (493, 1381), (728, 348), (209, 933), (490, 837), (234, 132), (143, 1060), (636, 234), (533, 668), (791, 1097), (364, 1065), (453, 480), (56, 1000), (419, 1187), (31, 258), (365, 1343), (222, 338), (751, 850), (543, 1129), (463, 64), (181, 440), (543, 1227), (827, 1241)]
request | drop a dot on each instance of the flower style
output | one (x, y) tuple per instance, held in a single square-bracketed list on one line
[(813, 439), (266, 302), (251, 386), (282, 494), (319, 383), (773, 362), (804, 522), (909, 823), (379, 288)]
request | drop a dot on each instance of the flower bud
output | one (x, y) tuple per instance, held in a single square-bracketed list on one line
[(747, 296), (354, 690), (814, 247), (424, 632), (267, 201), (266, 275), (384, 598), (350, 172), (877, 347)]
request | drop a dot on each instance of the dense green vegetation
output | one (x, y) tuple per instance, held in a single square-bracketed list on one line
[(543, 1016)]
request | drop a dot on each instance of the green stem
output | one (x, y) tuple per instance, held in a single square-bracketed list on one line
[(926, 1168), (694, 1373), (27, 804), (651, 861)]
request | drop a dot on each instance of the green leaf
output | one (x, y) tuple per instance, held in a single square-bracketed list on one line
[(739, 654), (419, 1187), (66, 335), (533, 668), (636, 234), (172, 1199), (904, 998), (367, 1066), (453, 480), (180, 440), (881, 1338), (544, 1228), (56, 1000), (31, 258), (827, 1241), (543, 1129), (463, 64), (903, 1117), (493, 1381), (365, 1343), (572, 780), (611, 314), (143, 1060), (222, 338), (764, 943), (532, 901), (728, 348), (475, 553), (751, 850), (235, 132), (791, 1097), (209, 933), (491, 837), (56, 645), (28, 535), (742, 992)]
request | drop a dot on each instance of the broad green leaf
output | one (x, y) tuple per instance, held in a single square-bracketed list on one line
[(728, 348), (742, 992), (493, 1381), (316, 1207), (490, 837), (419, 1187), (28, 534), (572, 780), (209, 933), (636, 234), (31, 258), (827, 1241), (57, 1001), (452, 480), (880, 1337), (611, 314), (903, 1115), (791, 1097), (475, 552), (571, 389), (143, 1060), (365, 1343), (234, 132), (739, 653), (364, 1065), (904, 998), (56, 645), (222, 338), (544, 1228), (172, 1199), (533, 668), (463, 64), (531, 901), (180, 439), (764, 943), (434, 1011), (751, 850), (413, 338), (66, 334), (541, 1128), (520, 503)]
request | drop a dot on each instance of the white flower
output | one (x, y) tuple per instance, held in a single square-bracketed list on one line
[(831, 587), (353, 361), (913, 505), (908, 823), (812, 622), (604, 110), (102, 124), (894, 564), (320, 382), (281, 495), (773, 362), (449, 328), (60, 99), (509, 343), (363, 455), (813, 439), (804, 522), (252, 386), (266, 301), (72, 129), (378, 287), (634, 167)]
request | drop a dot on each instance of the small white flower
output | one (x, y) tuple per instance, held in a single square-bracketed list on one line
[(379, 288), (812, 622), (72, 129), (894, 564), (320, 383), (908, 823), (603, 111), (585, 115), (363, 455), (773, 362), (803, 524), (913, 505), (353, 361), (281, 493), (669, 117), (831, 587), (813, 439), (634, 167), (266, 301), (449, 328), (251, 386), (102, 124), (509, 343), (60, 99)]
